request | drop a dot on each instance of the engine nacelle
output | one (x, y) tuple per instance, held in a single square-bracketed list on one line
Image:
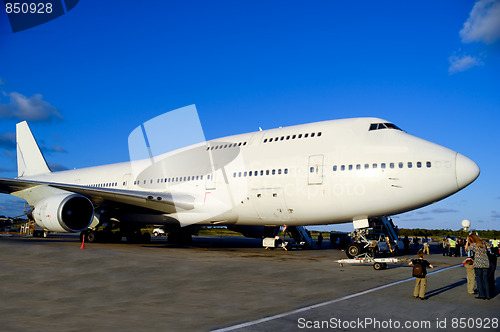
[(64, 213)]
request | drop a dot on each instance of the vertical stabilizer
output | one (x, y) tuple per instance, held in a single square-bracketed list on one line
[(30, 160)]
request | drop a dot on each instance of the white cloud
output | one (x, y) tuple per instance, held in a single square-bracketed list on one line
[(483, 23), (32, 108), (443, 210), (462, 63)]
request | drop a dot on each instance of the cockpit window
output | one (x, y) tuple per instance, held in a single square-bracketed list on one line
[(387, 125)]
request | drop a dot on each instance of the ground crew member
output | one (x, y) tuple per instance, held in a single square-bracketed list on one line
[(495, 243), (453, 245)]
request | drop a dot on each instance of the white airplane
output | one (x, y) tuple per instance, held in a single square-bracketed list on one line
[(328, 172)]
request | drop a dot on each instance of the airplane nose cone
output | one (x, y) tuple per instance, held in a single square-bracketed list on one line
[(466, 171)]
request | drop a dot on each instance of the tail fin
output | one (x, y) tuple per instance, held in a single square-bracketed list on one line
[(30, 160)]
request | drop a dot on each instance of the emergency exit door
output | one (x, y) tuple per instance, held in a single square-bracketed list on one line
[(315, 169)]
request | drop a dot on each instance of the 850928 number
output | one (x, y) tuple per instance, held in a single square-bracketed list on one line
[(25, 8)]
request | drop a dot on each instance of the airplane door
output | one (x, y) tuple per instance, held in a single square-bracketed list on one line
[(315, 169)]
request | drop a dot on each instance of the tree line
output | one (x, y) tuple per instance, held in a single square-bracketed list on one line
[(447, 232)]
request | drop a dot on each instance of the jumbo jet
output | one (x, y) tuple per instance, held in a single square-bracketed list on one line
[(330, 172)]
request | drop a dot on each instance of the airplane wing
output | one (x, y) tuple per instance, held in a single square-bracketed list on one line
[(159, 201)]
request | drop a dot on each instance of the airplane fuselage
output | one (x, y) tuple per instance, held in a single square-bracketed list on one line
[(319, 173)]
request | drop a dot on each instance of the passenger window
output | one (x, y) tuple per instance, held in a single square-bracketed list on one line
[(391, 165), (305, 135), (410, 164), (342, 168), (239, 174), (374, 165), (288, 137), (300, 135), (274, 172), (270, 140), (225, 146), (286, 170), (208, 177), (429, 164), (250, 173), (312, 134), (400, 165), (419, 164), (367, 166), (350, 167), (311, 169), (239, 144), (279, 171), (267, 172), (245, 174), (319, 134), (261, 172), (335, 168), (244, 143), (282, 137), (382, 165), (234, 174), (293, 137), (358, 166)]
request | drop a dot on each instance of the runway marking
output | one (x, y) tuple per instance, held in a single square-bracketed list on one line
[(314, 306)]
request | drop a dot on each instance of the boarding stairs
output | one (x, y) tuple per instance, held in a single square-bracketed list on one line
[(386, 226), (300, 235)]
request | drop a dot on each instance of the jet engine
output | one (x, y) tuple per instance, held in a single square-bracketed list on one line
[(64, 213)]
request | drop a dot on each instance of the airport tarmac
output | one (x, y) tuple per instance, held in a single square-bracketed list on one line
[(222, 283)]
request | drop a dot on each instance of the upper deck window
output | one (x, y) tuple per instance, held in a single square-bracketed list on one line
[(387, 125)]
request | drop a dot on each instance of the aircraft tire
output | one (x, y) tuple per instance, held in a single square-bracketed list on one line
[(353, 250), (90, 236)]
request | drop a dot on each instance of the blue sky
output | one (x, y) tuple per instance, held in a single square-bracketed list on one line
[(85, 80)]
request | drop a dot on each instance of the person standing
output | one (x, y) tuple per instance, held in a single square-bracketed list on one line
[(406, 243), (445, 246), (495, 244), (426, 247), (471, 276), (320, 240), (481, 265), (420, 273), (453, 246)]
